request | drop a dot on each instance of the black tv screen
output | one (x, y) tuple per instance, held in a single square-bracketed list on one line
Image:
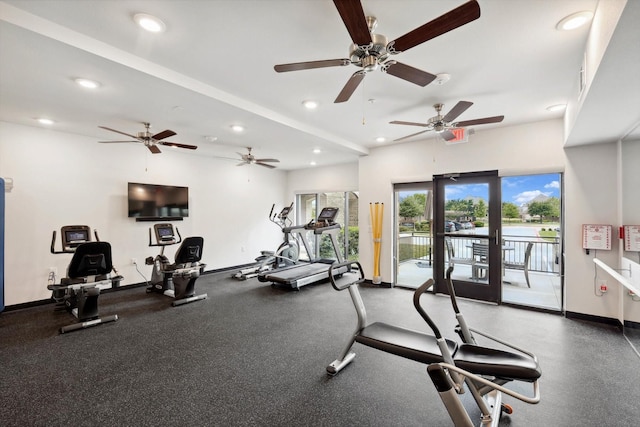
[(151, 201)]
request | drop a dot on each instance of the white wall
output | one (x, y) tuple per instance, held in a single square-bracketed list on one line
[(591, 197), (342, 177), (62, 179), (630, 206)]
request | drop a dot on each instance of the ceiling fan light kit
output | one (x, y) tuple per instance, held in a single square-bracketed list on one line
[(371, 51)]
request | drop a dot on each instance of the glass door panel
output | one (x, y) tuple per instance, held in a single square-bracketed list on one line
[(531, 230), (413, 253), (467, 234)]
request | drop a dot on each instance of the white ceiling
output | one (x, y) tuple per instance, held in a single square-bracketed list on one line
[(213, 67)]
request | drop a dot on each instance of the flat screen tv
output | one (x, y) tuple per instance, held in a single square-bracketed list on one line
[(150, 202)]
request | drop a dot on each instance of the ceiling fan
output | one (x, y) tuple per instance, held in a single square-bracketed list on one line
[(444, 124), (371, 51), (250, 159), (149, 140)]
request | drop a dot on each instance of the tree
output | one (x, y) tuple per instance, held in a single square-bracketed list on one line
[(510, 210), (543, 209), (555, 207), (480, 209), (410, 207)]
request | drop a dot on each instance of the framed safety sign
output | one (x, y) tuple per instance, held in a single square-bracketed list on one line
[(596, 236)]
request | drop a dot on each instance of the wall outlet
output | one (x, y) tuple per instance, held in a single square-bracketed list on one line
[(134, 261)]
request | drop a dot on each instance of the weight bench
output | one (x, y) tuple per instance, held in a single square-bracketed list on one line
[(451, 366)]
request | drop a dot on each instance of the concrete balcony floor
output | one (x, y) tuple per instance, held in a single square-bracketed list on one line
[(545, 291)]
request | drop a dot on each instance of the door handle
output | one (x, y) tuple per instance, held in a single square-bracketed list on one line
[(497, 237)]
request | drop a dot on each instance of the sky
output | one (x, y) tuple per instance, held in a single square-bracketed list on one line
[(515, 189)]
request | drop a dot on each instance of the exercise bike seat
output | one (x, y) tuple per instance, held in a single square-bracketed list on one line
[(403, 342), (497, 363)]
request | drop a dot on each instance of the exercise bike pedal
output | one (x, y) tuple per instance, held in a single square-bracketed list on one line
[(507, 409)]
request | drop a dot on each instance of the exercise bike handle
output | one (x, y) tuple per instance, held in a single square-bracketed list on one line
[(416, 303), (346, 279), (272, 208)]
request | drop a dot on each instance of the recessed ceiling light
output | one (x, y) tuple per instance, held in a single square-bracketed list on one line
[(237, 128), (86, 83), (557, 107), (380, 139), (149, 23), (211, 138), (312, 163), (44, 121), (316, 151), (575, 20), (310, 105)]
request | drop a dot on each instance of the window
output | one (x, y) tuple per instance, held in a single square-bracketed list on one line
[(308, 207)]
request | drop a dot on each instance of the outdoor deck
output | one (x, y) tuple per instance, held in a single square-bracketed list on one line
[(545, 291)]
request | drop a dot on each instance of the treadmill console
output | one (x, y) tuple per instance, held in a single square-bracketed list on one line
[(326, 219)]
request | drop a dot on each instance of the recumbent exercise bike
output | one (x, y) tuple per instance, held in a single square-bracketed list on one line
[(451, 366), (177, 280), (88, 272)]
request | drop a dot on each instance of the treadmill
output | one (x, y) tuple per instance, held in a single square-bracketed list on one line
[(296, 276)]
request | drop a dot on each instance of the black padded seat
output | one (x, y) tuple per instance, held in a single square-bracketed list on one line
[(497, 363), (403, 342)]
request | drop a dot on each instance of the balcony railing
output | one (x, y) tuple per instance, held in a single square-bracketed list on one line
[(545, 254)]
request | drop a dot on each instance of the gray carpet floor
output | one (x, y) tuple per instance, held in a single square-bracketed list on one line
[(255, 355)]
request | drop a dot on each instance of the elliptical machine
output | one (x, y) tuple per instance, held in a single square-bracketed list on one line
[(88, 272), (175, 280), (287, 253)]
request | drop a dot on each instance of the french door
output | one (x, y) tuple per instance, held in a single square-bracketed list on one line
[(467, 224)]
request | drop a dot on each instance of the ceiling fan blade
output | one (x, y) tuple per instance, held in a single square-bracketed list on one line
[(154, 149), (408, 73), (458, 109), (483, 121), (175, 144), (398, 122), (265, 165), (350, 87), (447, 135), (354, 19), (242, 164), (297, 66), (413, 134), (267, 160), (451, 20), (117, 131), (117, 142), (164, 134)]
